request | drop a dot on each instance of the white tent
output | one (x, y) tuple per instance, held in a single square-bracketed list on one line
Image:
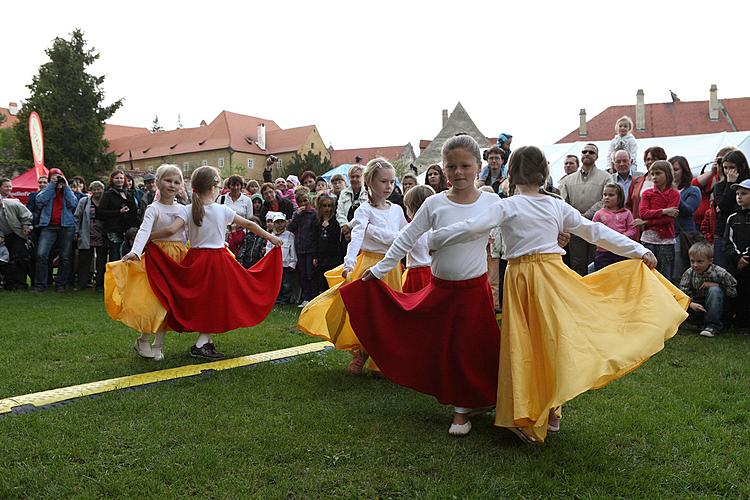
[(698, 149)]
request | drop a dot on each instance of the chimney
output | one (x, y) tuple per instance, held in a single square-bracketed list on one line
[(713, 104), (640, 110), (13, 108), (583, 126), (261, 140), (445, 117)]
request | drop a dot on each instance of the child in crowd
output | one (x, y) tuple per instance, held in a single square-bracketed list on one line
[(623, 139), (128, 297), (338, 184), (291, 184), (375, 226), (418, 260), (614, 215), (302, 227), (708, 287), (547, 358), (288, 258), (658, 209), (444, 339), (737, 248), (209, 291), (252, 249), (329, 253), (321, 187), (253, 187), (282, 187), (494, 254), (257, 201)]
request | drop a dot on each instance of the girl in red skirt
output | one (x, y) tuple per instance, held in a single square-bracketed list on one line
[(442, 340), (209, 291), (418, 274)]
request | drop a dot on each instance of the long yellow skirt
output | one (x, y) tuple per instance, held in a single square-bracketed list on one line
[(563, 335), (128, 297), (326, 317)]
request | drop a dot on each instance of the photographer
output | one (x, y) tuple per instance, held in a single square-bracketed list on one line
[(268, 170), (119, 211), (56, 205)]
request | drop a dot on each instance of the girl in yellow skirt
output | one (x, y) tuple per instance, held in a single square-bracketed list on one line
[(563, 334), (375, 226), (128, 297)]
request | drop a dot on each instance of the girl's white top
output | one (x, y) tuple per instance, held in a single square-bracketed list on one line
[(157, 216), (455, 262), (419, 255), (530, 225), (212, 232), (373, 230)]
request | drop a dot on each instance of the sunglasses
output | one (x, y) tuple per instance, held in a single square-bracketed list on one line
[(326, 206), (588, 152)]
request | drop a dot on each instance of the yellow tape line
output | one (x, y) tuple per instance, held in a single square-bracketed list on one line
[(39, 399)]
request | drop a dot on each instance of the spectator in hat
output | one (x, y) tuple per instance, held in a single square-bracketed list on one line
[(288, 259), (57, 204), (149, 185)]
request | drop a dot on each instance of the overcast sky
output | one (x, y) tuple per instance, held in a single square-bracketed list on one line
[(379, 73)]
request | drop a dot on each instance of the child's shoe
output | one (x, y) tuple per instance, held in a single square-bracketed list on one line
[(143, 348), (707, 333), (460, 430), (208, 351), (158, 353), (357, 363)]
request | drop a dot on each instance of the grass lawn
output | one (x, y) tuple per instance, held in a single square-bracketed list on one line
[(677, 427)]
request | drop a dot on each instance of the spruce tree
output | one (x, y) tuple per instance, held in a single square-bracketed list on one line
[(69, 101)]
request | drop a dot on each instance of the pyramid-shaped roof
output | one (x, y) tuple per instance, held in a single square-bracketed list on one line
[(459, 121)]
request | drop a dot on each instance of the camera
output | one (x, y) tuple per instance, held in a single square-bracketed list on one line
[(273, 158), (60, 180)]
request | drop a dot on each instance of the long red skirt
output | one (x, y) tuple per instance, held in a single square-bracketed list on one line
[(210, 292), (442, 340), (416, 279)]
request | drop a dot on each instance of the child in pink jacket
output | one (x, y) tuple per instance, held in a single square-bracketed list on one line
[(615, 216)]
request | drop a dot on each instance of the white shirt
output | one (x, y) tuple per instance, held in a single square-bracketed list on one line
[(373, 230), (530, 225), (419, 256), (242, 207), (455, 262), (212, 232), (158, 216), (288, 252)]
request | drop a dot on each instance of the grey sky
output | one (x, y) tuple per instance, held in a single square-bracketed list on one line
[(380, 73)]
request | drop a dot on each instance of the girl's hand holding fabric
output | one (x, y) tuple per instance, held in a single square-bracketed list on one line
[(368, 276), (275, 241), (649, 259), (130, 256)]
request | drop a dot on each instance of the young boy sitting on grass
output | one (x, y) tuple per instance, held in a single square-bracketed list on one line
[(707, 285)]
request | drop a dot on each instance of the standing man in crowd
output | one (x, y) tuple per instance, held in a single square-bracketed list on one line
[(622, 166), (149, 185), (570, 165), (582, 190), (492, 175), (350, 199), (56, 204), (15, 227)]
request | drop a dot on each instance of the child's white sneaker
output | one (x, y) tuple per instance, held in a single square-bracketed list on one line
[(303, 303), (707, 333), (158, 353), (143, 348), (460, 430)]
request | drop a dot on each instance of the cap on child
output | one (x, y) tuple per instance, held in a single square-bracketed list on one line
[(744, 184), (279, 216)]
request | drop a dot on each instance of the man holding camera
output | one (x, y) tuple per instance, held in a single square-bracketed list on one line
[(56, 204)]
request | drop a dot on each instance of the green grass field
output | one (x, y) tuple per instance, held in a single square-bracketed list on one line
[(677, 427)]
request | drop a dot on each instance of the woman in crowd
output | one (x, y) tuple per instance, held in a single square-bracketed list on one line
[(408, 181), (435, 178), (92, 242), (690, 199), (642, 183), (734, 169), (273, 202), (118, 211)]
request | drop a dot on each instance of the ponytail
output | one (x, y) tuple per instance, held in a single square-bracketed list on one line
[(198, 211)]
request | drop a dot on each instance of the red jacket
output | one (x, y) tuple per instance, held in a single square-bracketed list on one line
[(652, 203)]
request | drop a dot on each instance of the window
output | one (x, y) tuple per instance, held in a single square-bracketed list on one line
[(312, 145), (186, 166), (221, 163), (204, 163), (280, 163), (250, 163)]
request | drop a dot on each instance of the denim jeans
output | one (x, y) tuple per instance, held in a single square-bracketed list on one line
[(47, 238), (665, 257), (713, 302), (720, 259)]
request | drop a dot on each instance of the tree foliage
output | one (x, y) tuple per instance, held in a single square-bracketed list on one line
[(155, 125), (69, 101), (311, 161)]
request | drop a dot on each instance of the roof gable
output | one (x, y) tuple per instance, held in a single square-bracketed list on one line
[(459, 121)]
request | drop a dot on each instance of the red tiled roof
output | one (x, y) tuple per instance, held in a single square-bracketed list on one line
[(227, 130), (116, 131), (287, 140), (390, 153), (669, 119), (10, 120)]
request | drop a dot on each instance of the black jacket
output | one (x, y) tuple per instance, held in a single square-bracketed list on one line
[(328, 248), (285, 207), (109, 211), (737, 240), (303, 229)]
